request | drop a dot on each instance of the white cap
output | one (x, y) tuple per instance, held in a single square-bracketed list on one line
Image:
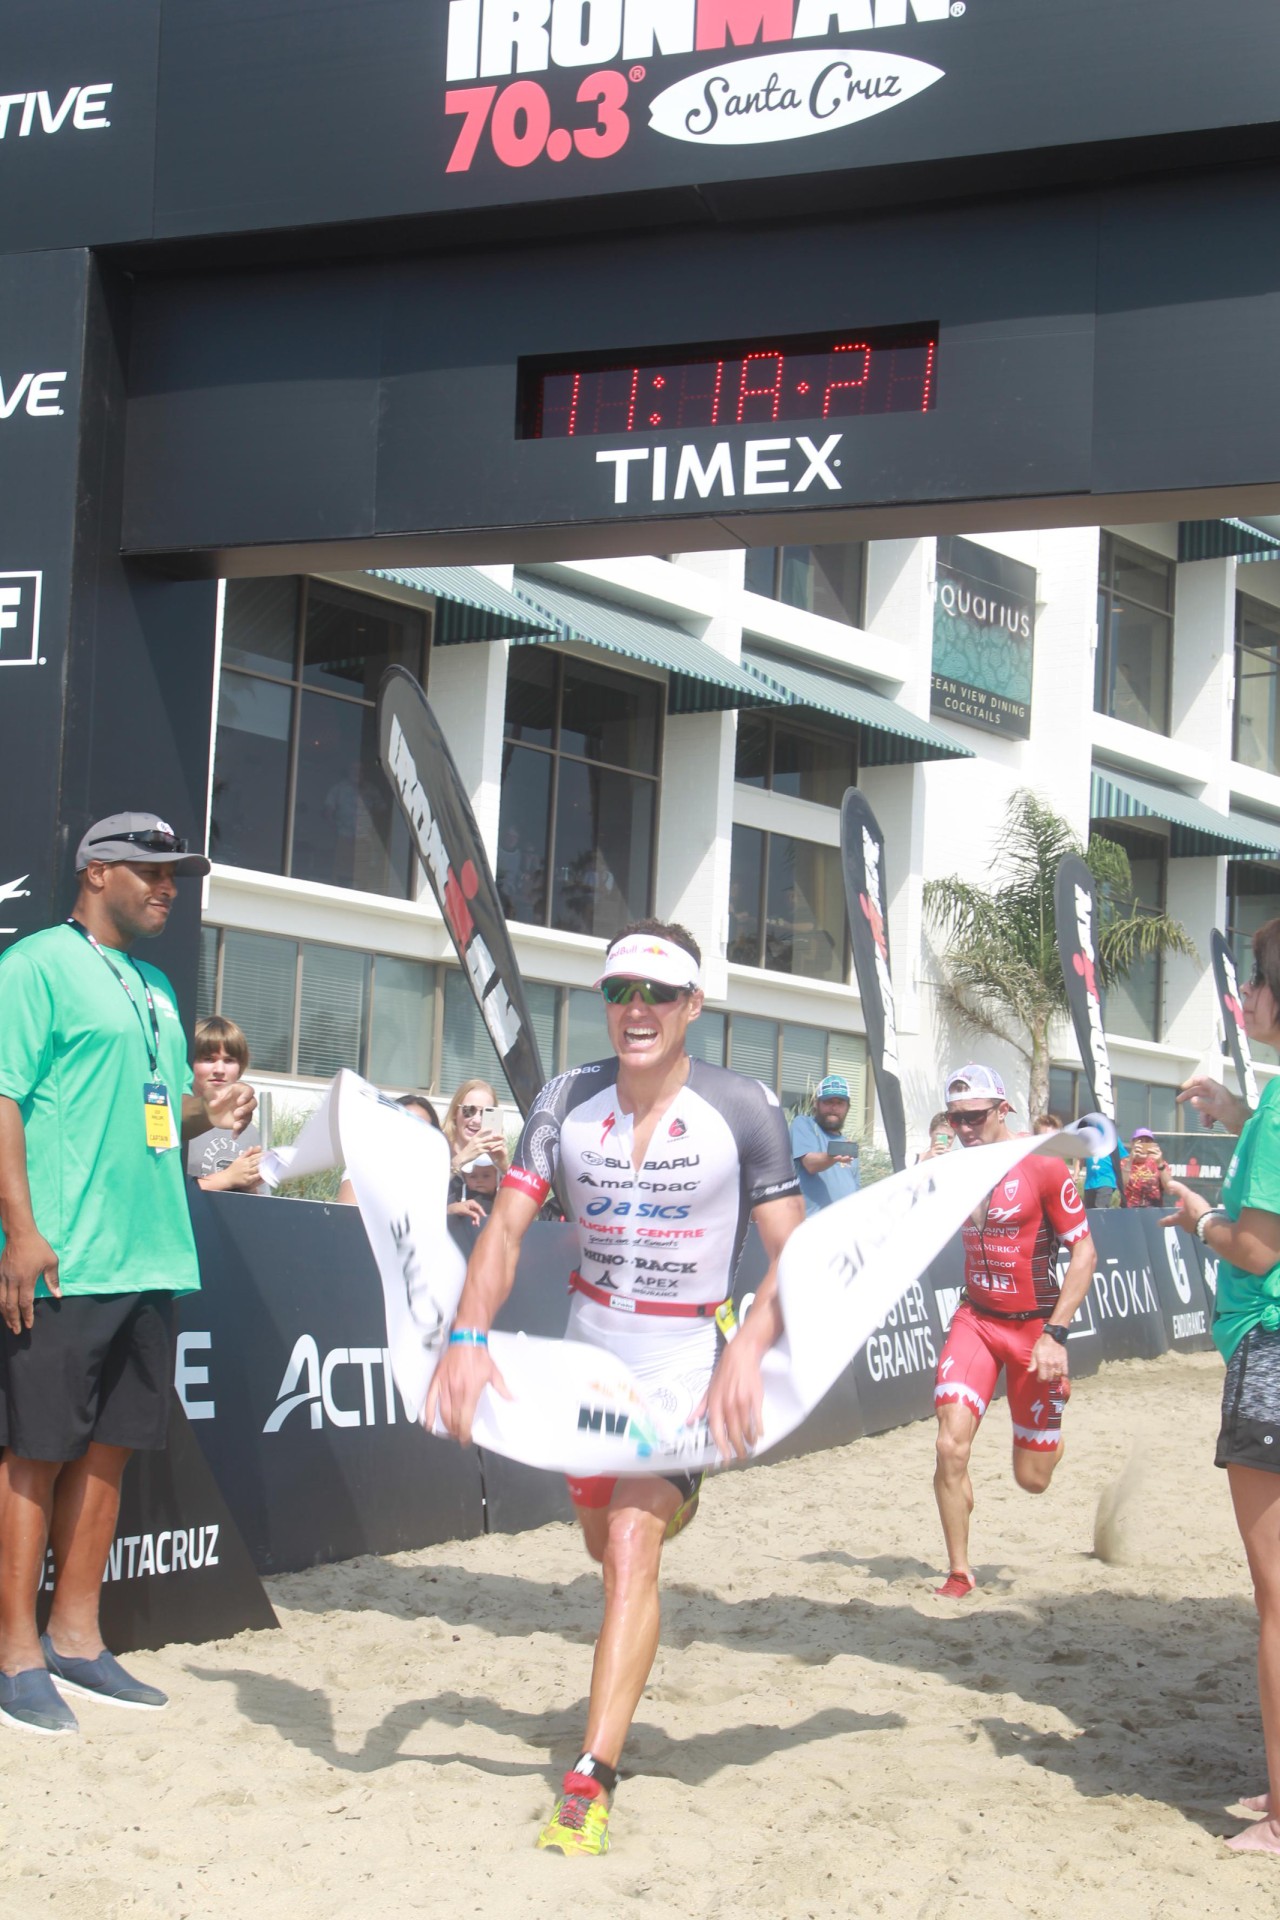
[(481, 1160), (647, 956), (973, 1083)]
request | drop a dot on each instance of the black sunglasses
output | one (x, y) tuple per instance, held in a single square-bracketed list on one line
[(148, 838), (618, 992), (973, 1118), (1257, 978)]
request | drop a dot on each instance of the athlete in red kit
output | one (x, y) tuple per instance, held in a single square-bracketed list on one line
[(1012, 1316)]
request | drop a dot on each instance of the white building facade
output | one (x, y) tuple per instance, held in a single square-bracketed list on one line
[(673, 736)]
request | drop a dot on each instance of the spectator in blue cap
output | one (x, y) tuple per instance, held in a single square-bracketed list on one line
[(826, 1163)]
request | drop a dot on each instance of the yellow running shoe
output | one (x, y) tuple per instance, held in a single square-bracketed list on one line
[(580, 1824)]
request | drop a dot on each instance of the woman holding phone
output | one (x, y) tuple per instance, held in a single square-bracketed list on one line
[(473, 1126), (1243, 1234)]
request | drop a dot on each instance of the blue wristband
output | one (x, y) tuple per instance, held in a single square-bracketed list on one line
[(468, 1337)]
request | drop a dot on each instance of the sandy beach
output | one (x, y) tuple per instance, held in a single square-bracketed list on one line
[(820, 1735)]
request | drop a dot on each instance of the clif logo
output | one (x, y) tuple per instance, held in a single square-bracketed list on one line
[(20, 620)]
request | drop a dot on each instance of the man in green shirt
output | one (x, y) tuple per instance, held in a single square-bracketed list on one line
[(95, 1239)]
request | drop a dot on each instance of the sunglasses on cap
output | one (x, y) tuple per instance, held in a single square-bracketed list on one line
[(150, 839), (974, 1118), (618, 992)]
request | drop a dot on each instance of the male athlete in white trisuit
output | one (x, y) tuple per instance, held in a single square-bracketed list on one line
[(666, 1159)]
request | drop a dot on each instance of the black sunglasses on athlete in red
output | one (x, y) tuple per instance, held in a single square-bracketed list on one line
[(974, 1118), (653, 992)]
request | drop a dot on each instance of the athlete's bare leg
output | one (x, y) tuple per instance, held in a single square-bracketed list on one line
[(1034, 1467), (1256, 1498), (953, 1489), (626, 1538)]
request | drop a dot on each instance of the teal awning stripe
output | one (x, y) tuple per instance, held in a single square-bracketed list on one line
[(1219, 539), (469, 606), (1266, 831), (700, 680), (888, 735), (1197, 831)]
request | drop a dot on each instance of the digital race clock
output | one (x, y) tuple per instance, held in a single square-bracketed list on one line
[(813, 377)]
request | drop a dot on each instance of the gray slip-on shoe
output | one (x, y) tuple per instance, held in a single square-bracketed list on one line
[(102, 1679), (30, 1702)]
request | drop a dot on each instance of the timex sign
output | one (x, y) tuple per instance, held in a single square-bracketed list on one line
[(20, 620), (776, 465)]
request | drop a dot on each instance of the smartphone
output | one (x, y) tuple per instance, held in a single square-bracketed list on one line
[(491, 1120), (941, 1141)]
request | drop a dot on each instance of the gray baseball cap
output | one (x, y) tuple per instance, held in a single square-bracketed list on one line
[(143, 839)]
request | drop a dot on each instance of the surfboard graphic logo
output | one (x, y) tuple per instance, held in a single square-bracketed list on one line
[(787, 96)]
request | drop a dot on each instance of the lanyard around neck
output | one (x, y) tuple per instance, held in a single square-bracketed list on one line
[(152, 1044)]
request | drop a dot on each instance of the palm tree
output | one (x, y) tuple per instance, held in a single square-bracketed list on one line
[(1002, 974)]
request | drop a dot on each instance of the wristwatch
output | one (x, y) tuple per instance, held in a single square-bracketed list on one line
[(1060, 1334), (1210, 1213)]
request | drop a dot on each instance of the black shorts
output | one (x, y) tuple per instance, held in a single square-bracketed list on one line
[(1250, 1435), (91, 1367)]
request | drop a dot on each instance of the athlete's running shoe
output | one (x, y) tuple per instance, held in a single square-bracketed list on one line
[(580, 1824), (956, 1586)]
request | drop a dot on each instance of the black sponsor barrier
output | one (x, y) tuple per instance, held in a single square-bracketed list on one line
[(178, 1568), (281, 1369), (1199, 1160)]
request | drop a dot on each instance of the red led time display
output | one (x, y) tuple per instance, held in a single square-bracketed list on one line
[(837, 376)]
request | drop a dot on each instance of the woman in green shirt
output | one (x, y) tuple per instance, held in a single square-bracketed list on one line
[(1244, 1236)]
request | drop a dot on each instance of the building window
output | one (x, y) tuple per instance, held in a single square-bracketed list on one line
[(1257, 724), (297, 788), (577, 825), (1134, 661), (786, 906), (1133, 1005), (824, 580), (1253, 898), (1139, 1103), (804, 762)]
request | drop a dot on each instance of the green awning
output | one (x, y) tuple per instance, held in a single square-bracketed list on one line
[(888, 736), (700, 679), (1197, 830), (1265, 831), (1218, 539), (469, 606)]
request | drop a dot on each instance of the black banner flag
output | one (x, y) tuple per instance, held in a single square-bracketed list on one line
[(1075, 908), (1226, 981), (417, 761), (862, 857)]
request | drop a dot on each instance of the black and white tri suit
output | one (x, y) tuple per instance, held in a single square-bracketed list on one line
[(657, 1244)]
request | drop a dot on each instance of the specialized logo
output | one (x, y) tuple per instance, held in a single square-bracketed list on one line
[(607, 1128), (82, 109), (14, 890), (774, 84), (36, 394)]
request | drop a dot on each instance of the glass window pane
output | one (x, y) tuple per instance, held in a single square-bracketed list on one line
[(611, 717), (520, 868), (1163, 1109), (1063, 1098), (704, 1037), (351, 638), (751, 758), (587, 1037), (207, 977), (347, 829), (1141, 643), (543, 1002), (1132, 1106), (402, 1022), (1253, 898), (1142, 576), (753, 1048), (761, 570), (466, 1048), (604, 837), (824, 580), (812, 766), (805, 913), (1133, 1005), (1257, 656), (335, 986), (260, 626), (258, 979), (250, 774), (531, 696), (744, 896), (804, 1062)]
